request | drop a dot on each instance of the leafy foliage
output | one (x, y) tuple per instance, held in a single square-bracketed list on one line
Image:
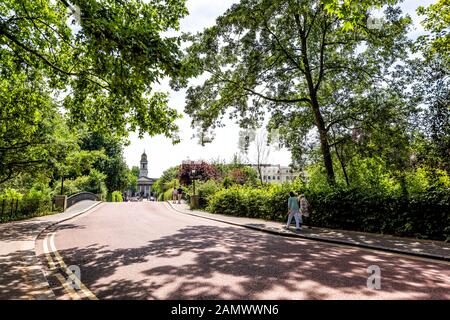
[(296, 61), (203, 172), (105, 61), (116, 196)]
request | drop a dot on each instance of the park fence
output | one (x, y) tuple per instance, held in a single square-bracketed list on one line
[(12, 209)]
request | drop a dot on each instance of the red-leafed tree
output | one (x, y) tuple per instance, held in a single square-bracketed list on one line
[(203, 172)]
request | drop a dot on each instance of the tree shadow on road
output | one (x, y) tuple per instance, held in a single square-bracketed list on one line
[(208, 262)]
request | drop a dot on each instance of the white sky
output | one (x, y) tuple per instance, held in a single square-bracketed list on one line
[(160, 151)]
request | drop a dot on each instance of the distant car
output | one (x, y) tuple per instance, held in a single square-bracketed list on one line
[(152, 199)]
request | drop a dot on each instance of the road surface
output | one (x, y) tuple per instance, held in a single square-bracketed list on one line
[(145, 250)]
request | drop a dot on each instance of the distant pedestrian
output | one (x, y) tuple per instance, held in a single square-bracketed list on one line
[(304, 209), (174, 195), (293, 211), (180, 194)]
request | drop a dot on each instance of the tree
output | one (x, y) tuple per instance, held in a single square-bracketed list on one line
[(430, 78), (293, 59), (166, 181), (135, 171), (259, 155), (113, 165), (132, 183), (203, 172), (104, 62), (437, 21), (33, 135)]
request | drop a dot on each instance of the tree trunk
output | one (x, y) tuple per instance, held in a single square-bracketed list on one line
[(320, 123), (344, 170), (324, 145)]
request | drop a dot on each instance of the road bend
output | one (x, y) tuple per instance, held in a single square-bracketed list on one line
[(146, 250)]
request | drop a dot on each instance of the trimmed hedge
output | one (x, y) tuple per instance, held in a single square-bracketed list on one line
[(425, 215)]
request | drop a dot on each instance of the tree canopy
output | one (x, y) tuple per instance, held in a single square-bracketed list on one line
[(298, 61), (104, 57)]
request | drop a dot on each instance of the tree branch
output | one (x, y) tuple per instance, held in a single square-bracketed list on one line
[(278, 100)]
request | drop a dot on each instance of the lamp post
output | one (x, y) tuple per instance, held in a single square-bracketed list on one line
[(193, 180), (194, 198)]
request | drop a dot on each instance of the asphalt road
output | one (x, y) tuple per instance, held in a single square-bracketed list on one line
[(148, 251)]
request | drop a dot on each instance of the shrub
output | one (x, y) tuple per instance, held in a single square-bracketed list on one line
[(37, 200), (94, 182), (34, 202), (167, 194), (70, 187), (116, 196), (205, 190), (425, 215)]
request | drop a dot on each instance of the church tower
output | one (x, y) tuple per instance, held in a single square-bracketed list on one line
[(144, 166)]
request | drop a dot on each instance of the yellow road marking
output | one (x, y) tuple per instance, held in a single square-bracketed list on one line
[(53, 267), (88, 293), (69, 290)]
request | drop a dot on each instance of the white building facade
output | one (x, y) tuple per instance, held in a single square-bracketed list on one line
[(276, 173)]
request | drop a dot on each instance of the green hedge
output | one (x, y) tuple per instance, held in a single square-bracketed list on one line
[(205, 190), (425, 215), (267, 202)]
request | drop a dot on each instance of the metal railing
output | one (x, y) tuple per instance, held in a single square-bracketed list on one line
[(81, 197), (15, 208)]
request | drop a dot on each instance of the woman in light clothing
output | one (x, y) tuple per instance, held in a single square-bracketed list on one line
[(293, 211), (304, 209)]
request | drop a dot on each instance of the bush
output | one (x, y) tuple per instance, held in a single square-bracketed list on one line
[(94, 182), (425, 215), (35, 202), (268, 202), (70, 187), (205, 190), (167, 195), (116, 196)]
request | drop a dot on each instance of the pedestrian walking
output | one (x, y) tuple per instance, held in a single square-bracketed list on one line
[(174, 195), (304, 210), (180, 194), (293, 211)]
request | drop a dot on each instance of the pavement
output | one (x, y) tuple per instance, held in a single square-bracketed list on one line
[(439, 250), (148, 250), (21, 276)]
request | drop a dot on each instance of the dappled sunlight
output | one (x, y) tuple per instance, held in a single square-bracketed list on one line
[(206, 262)]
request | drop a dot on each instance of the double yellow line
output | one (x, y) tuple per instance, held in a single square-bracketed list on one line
[(58, 264)]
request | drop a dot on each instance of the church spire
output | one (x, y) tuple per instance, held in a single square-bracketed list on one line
[(143, 172)]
